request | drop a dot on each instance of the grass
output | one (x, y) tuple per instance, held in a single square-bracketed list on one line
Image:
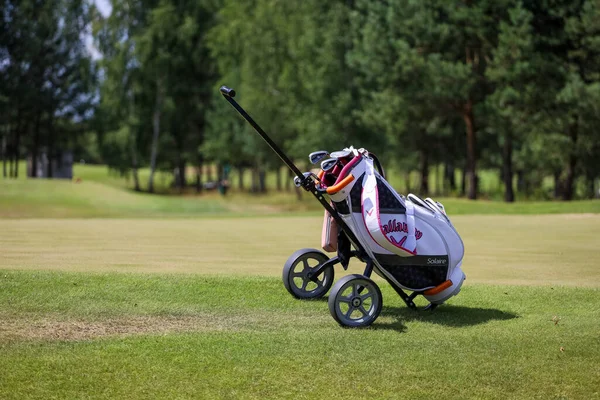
[(530, 250), (76, 335), (66, 199), (100, 199), (108, 293)]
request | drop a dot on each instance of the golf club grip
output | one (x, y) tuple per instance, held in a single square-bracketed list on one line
[(227, 91)]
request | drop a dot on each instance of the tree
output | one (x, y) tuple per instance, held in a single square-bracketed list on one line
[(158, 77), (47, 75)]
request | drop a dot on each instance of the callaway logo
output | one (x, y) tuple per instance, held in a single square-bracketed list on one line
[(393, 226), (436, 261)]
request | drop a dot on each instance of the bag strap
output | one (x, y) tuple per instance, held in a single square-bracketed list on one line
[(372, 219), (411, 239)]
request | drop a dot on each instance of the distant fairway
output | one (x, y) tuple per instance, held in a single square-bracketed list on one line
[(103, 196), (535, 250)]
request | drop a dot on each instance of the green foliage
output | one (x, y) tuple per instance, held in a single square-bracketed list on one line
[(47, 78), (157, 79), (510, 85)]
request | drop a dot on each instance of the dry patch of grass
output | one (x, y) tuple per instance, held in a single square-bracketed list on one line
[(60, 328)]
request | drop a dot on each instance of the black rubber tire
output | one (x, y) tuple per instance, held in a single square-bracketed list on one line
[(359, 284), (290, 273)]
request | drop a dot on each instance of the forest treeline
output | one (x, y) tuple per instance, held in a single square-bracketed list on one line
[(505, 85)]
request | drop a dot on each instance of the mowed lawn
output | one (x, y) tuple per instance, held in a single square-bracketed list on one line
[(195, 308), (503, 249)]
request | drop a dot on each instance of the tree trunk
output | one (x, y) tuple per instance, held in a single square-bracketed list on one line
[(463, 181), (156, 130), (136, 178), (590, 186), (16, 154), (199, 175), (50, 157), (180, 178), (557, 190), (507, 172), (254, 183), (180, 173), (209, 173), (134, 164), (3, 152), (262, 187), (220, 172), (133, 149), (35, 147), (50, 147), (424, 171), (11, 162), (438, 188), (568, 187), (471, 149), (12, 152), (241, 178), (449, 175), (278, 178), (198, 180)]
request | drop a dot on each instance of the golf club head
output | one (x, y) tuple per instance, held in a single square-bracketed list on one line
[(317, 156), (341, 154), (327, 165)]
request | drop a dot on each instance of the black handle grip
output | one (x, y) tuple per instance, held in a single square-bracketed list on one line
[(227, 91)]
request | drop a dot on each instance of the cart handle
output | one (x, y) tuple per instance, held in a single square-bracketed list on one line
[(227, 91)]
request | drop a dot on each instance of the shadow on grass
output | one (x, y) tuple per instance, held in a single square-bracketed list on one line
[(447, 315)]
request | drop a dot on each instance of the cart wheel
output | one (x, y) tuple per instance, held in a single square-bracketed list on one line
[(297, 273), (355, 301)]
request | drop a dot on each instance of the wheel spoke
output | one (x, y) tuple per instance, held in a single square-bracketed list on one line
[(349, 312), (354, 290), (366, 296), (304, 284), (297, 275), (346, 300), (306, 266), (363, 311)]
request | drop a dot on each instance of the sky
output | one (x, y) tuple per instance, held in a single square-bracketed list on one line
[(105, 9)]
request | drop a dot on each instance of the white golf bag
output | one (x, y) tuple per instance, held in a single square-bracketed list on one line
[(408, 241), (411, 240)]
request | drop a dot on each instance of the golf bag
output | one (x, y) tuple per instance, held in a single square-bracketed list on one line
[(412, 240)]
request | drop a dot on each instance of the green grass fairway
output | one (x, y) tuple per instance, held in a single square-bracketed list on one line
[(105, 197), (509, 249), (135, 336), (66, 199), (195, 309)]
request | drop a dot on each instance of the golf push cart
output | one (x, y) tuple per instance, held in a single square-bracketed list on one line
[(408, 241)]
